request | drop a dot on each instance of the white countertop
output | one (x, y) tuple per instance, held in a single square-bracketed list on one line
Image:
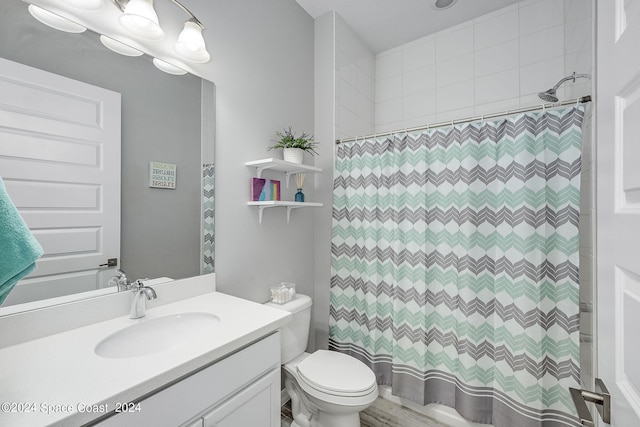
[(61, 373)]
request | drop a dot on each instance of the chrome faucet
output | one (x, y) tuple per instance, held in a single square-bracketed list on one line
[(120, 280), (139, 304)]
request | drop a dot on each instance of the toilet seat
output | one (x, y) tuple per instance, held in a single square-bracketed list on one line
[(336, 374)]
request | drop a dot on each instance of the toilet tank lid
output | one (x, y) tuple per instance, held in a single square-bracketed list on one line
[(298, 303)]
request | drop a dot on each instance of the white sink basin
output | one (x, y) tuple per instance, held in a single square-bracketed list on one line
[(150, 336)]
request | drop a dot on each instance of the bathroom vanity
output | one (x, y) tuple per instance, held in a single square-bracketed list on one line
[(205, 360)]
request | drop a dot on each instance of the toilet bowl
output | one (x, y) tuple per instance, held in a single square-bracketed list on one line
[(327, 388)]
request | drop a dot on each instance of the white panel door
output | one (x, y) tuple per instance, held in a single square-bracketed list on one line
[(60, 162), (618, 206)]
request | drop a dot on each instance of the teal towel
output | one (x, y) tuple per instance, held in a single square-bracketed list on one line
[(19, 250)]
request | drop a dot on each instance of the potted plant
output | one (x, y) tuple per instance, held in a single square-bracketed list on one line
[(293, 146)]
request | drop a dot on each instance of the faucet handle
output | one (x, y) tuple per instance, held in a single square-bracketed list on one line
[(138, 284), (119, 280)]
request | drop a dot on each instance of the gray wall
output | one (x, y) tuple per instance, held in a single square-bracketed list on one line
[(160, 122), (262, 64)]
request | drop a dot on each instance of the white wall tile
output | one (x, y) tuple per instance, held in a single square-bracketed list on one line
[(540, 15), (347, 72), (496, 87), (354, 83), (365, 84), (460, 113), (348, 96), (577, 9), (454, 70), (419, 80), (419, 121), (577, 36), (498, 58), (452, 44), (455, 97), (497, 106), (496, 30), (581, 62), (542, 45), (389, 88), (367, 64), (541, 76), (530, 99), (419, 105), (419, 53), (366, 109), (389, 64), (389, 127), (389, 111)]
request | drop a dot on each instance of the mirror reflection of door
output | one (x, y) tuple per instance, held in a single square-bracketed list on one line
[(60, 161)]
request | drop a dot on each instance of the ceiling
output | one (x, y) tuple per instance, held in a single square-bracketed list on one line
[(385, 24)]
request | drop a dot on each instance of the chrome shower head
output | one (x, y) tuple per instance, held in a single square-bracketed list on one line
[(550, 95)]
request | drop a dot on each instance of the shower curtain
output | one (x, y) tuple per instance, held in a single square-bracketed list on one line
[(208, 230), (455, 265)]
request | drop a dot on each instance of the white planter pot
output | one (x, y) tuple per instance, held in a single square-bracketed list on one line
[(293, 155)]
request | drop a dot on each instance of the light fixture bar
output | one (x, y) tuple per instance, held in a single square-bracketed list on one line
[(121, 4)]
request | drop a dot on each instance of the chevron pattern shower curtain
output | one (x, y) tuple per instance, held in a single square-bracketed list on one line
[(455, 265), (208, 229)]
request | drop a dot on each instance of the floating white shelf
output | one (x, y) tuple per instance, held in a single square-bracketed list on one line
[(279, 165), (279, 203)]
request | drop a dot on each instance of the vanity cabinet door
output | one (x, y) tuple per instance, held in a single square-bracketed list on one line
[(212, 387), (254, 406)]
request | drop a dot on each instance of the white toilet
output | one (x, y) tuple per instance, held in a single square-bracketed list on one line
[(327, 388)]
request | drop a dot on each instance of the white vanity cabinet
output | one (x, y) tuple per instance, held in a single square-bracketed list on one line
[(253, 406), (242, 389)]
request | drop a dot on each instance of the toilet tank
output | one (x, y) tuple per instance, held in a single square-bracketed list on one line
[(295, 333)]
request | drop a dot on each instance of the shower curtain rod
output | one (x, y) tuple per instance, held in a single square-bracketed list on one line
[(582, 99)]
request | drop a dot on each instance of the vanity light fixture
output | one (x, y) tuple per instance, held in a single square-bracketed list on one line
[(168, 68), (55, 21), (86, 5), (190, 44), (119, 47), (140, 19)]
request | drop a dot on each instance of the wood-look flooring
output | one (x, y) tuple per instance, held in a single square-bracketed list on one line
[(381, 414)]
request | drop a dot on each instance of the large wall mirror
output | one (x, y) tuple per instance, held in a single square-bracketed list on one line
[(164, 118)]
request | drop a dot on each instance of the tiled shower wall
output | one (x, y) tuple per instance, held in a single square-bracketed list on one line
[(496, 62), (355, 83)]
